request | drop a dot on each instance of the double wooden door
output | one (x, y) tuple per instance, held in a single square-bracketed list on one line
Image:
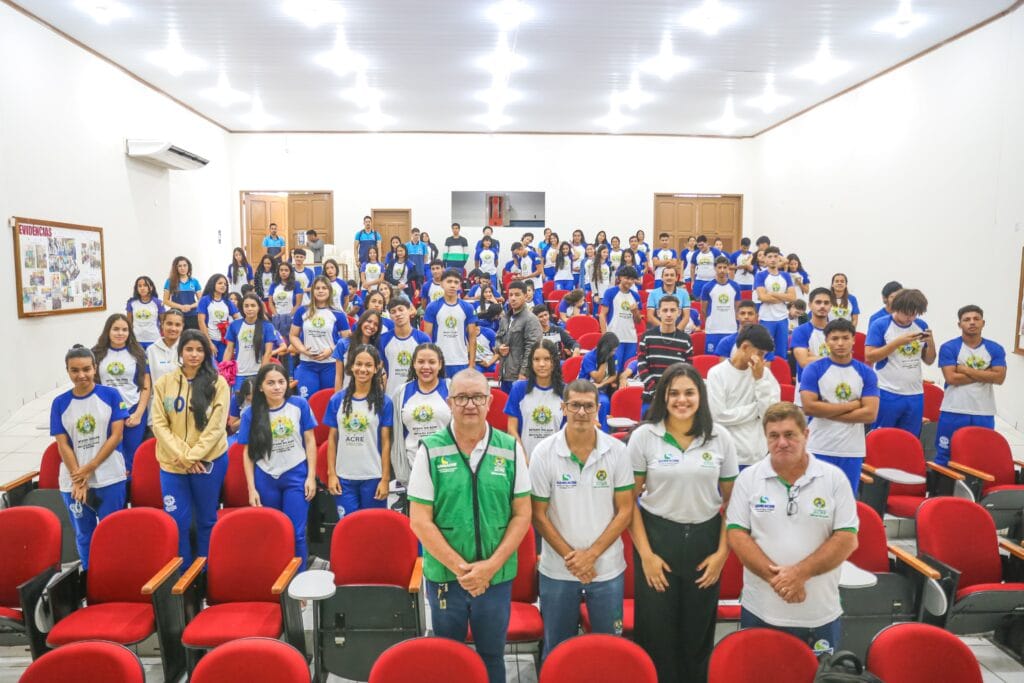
[(689, 215)]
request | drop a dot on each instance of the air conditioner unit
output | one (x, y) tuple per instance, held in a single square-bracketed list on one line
[(164, 154)]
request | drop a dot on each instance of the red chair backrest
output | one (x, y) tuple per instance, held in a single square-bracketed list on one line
[(547, 288), (644, 295), (933, 395), (985, 450), (30, 539), (763, 655), (526, 583), (921, 653), (88, 661), (579, 325), (49, 468), (321, 463), (588, 341), (571, 368), (318, 405), (252, 660), (235, 492), (747, 295), (700, 342), (962, 534), (872, 553), (496, 416), (780, 368), (146, 489), (394, 549), (731, 580), (891, 447), (598, 658), (232, 575), (858, 346), (787, 392), (626, 402), (648, 280), (429, 660), (627, 550), (703, 363), (128, 548)]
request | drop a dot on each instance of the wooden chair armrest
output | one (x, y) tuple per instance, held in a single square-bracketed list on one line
[(1012, 548), (914, 563), (286, 576), (416, 580), (1017, 462), (971, 472), (161, 576), (865, 479), (870, 469), (20, 481), (189, 576), (945, 471)]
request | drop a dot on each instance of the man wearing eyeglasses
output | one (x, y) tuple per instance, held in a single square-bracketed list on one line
[(792, 521), (470, 507)]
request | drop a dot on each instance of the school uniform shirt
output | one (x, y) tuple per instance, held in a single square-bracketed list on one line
[(288, 426), (86, 422), (117, 370), (682, 485), (720, 306), (835, 383), (704, 263), (567, 269), (320, 331), (824, 505), (266, 279), (581, 499), (742, 277), (900, 372), (242, 335), (775, 284), (358, 454), (539, 412), (662, 254), (578, 252), (432, 291), (845, 312), (396, 353), (738, 402), (339, 292), (977, 398), (550, 256), (304, 278), (451, 322), (615, 258), (420, 414), (598, 290), (145, 318), (800, 277), (187, 293), (242, 277), (216, 312), (809, 337), (618, 315), (372, 271), (488, 259)]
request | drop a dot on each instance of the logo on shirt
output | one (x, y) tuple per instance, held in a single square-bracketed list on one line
[(86, 424), (776, 287), (601, 479), (565, 481), (318, 322), (625, 305), (281, 295), (707, 460), (444, 465), (404, 358), (975, 362), (844, 392), (541, 415), (220, 315), (669, 459), (356, 423), (764, 504), (450, 322), (423, 413), (143, 314), (910, 350), (499, 466), (723, 298), (820, 510), (115, 369), (823, 351), (245, 336), (282, 427)]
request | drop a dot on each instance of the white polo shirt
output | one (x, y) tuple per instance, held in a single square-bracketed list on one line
[(824, 505), (580, 498), (682, 486)]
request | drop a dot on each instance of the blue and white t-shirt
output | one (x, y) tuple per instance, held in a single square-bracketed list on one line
[(288, 426), (372, 271), (809, 337), (304, 278), (422, 414), (528, 264), (720, 307), (488, 259), (845, 312), (339, 292), (396, 353), (742, 277), (565, 272), (578, 252), (216, 312), (662, 254), (450, 323), (242, 335), (618, 314), (432, 291), (117, 370), (266, 278), (145, 319), (977, 398), (900, 373), (320, 331), (86, 421), (778, 283), (835, 383), (539, 413), (704, 263), (598, 290), (242, 277), (359, 433)]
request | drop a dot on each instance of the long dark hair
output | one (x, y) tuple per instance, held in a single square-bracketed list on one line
[(234, 267), (257, 327), (288, 283), (632, 258), (149, 282), (257, 277), (204, 384), (261, 440), (102, 347), (605, 351), (597, 262), (703, 426), (376, 396), (175, 278), (357, 337), (560, 259), (557, 384), (211, 284), (337, 269), (845, 301)]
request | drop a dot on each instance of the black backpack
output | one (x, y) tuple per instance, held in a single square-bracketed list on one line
[(843, 667)]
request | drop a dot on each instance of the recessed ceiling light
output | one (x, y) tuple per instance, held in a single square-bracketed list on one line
[(727, 123), (634, 97), (903, 23), (614, 120), (769, 100), (508, 14), (314, 13), (374, 119), (503, 61), (666, 64), (174, 59), (257, 116), (362, 94), (103, 11), (224, 94), (340, 59), (711, 17), (494, 119), (499, 96), (824, 68)]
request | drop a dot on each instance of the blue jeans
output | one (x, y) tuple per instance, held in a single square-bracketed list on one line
[(188, 495), (357, 494), (823, 640), (779, 330), (312, 377), (900, 411), (287, 493), (850, 467), (560, 607), (132, 438), (450, 370), (949, 423), (453, 610), (84, 519)]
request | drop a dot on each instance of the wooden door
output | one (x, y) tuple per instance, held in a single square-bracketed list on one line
[(389, 223), (311, 211), (721, 217), (689, 215), (258, 212)]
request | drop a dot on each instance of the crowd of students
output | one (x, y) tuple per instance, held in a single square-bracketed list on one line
[(389, 344)]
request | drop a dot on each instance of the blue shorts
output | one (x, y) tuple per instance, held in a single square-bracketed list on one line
[(712, 342), (949, 423), (900, 411), (851, 467)]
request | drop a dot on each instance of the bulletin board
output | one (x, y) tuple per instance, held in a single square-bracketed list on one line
[(58, 267)]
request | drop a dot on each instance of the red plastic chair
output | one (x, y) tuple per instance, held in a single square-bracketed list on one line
[(394, 561), (598, 658), (496, 416), (547, 288), (872, 553), (93, 661), (571, 368), (644, 294), (252, 660), (703, 363), (145, 489), (780, 369), (986, 451), (30, 543), (628, 600), (933, 395), (858, 346), (887, 447), (921, 653), (40, 488), (747, 295), (234, 495), (763, 655), (588, 341), (700, 343), (647, 281), (318, 405), (731, 582), (626, 402), (579, 325), (787, 392), (429, 660)]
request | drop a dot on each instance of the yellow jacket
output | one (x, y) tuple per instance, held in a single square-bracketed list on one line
[(174, 426)]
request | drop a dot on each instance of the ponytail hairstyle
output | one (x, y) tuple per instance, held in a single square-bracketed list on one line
[(99, 352), (557, 383), (235, 266), (257, 327), (79, 351), (311, 309), (376, 396), (261, 440), (204, 384), (175, 277)]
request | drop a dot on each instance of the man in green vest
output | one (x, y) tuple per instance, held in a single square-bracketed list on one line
[(470, 507)]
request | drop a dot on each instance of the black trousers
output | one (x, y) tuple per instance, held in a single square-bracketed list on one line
[(677, 627)]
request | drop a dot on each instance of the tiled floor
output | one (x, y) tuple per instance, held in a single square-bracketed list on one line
[(25, 436)]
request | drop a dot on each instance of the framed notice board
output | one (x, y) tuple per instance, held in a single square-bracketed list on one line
[(58, 268)]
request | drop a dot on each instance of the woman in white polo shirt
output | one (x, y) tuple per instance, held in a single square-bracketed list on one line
[(684, 467)]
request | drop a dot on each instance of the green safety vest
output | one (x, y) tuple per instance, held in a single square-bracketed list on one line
[(472, 509)]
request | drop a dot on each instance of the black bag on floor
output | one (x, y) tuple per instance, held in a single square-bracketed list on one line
[(843, 667)]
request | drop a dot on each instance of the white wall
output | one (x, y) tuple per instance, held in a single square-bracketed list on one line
[(915, 177), (64, 115)]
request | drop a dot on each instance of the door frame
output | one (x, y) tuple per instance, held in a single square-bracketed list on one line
[(696, 195), (242, 228)]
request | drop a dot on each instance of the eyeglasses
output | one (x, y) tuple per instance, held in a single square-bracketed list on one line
[(462, 400), (575, 407), (791, 506)]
